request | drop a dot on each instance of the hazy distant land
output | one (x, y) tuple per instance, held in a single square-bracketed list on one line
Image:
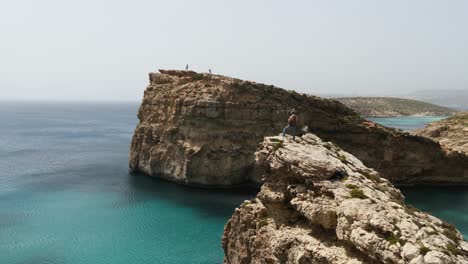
[(391, 107)]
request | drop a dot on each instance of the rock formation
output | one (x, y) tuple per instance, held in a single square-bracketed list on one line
[(451, 133), (203, 129), (320, 204)]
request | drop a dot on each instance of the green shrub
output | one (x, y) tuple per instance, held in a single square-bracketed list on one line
[(393, 239), (423, 250), (357, 193), (262, 223), (342, 158), (450, 231), (452, 234), (453, 249), (351, 186), (411, 209)]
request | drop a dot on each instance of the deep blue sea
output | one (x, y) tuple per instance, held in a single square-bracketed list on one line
[(66, 195)]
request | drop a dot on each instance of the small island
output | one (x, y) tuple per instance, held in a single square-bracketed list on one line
[(393, 107)]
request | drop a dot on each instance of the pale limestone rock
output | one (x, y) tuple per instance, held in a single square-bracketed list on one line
[(410, 251), (451, 133), (307, 212)]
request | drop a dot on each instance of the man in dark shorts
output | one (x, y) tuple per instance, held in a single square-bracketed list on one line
[(292, 124)]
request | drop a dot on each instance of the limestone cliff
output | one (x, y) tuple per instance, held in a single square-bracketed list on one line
[(452, 132), (320, 204), (203, 129)]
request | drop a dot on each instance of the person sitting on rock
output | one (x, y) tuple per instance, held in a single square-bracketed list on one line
[(292, 122)]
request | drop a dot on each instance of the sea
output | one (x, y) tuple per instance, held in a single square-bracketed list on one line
[(67, 196)]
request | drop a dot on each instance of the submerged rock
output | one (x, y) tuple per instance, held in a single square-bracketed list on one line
[(203, 129), (320, 204)]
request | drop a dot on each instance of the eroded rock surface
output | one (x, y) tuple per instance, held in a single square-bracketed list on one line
[(204, 129), (452, 132), (320, 204)]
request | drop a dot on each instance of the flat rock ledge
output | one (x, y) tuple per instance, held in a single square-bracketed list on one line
[(320, 204)]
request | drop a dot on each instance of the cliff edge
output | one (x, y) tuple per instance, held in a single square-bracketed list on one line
[(203, 129), (320, 204)]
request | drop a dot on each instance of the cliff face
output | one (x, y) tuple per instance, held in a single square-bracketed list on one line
[(390, 106), (204, 129), (451, 133), (319, 204)]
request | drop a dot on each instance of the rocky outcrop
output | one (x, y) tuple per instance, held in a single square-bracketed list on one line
[(320, 204), (391, 107), (451, 133), (203, 129)]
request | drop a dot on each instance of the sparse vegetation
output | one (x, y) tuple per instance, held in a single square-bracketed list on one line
[(263, 222), (357, 193), (198, 77), (451, 234), (411, 209), (369, 176), (393, 239), (344, 178), (342, 158), (351, 186), (450, 231), (453, 249), (423, 250)]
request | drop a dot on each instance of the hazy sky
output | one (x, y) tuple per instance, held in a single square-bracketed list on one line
[(103, 49)]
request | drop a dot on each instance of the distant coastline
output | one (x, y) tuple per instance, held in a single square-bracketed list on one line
[(393, 107)]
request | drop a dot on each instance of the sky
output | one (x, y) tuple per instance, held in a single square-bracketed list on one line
[(103, 50)]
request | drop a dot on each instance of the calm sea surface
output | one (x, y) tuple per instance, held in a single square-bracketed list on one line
[(66, 195)]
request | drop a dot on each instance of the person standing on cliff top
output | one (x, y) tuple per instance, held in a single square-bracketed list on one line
[(186, 67), (292, 124)]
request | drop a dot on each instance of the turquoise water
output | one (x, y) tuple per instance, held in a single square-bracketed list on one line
[(66, 195), (406, 123), (448, 203)]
